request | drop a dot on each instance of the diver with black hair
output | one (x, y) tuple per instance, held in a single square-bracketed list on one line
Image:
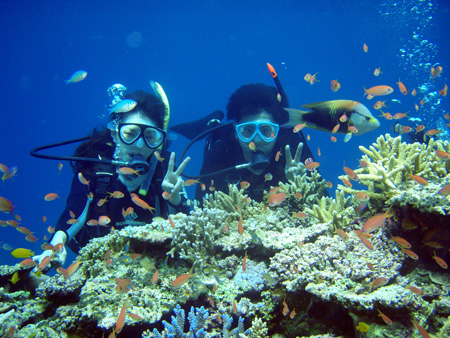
[(121, 177)]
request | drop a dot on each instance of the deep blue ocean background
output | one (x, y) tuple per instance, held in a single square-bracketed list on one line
[(200, 52)]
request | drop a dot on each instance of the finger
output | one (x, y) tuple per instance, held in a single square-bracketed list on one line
[(178, 186), (182, 166), (298, 153), (171, 163), (288, 155)]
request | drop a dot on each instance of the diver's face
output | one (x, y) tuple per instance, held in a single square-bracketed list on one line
[(260, 144), (139, 147)]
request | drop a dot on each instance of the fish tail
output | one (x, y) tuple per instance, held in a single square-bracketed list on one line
[(366, 91), (295, 117)]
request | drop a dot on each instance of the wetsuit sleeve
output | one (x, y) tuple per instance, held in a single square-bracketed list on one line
[(75, 202)]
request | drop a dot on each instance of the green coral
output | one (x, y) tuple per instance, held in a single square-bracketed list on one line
[(235, 199), (338, 212), (390, 164), (311, 187)]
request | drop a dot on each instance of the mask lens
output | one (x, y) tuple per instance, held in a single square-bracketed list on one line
[(267, 131), (153, 137), (129, 133), (246, 131)]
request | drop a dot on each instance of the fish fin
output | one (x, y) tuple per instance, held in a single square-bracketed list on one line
[(295, 117)]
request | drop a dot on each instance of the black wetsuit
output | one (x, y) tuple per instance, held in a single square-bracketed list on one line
[(106, 181), (223, 151)]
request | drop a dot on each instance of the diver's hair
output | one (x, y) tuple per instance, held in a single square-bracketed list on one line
[(100, 144), (148, 104), (254, 98)]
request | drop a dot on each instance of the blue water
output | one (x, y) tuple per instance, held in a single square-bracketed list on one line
[(200, 54)]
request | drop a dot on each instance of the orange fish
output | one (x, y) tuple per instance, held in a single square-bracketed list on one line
[(121, 320), (335, 128), (308, 137), (307, 77), (402, 242), (341, 233), (418, 179), (333, 139), (292, 315), (378, 90), (166, 195), (423, 101), (415, 290), (244, 184), (123, 285), (28, 263), (51, 196), (244, 262), (276, 199), (445, 190), (416, 107), (318, 151), (312, 165), (387, 116), (347, 183), (285, 310), (141, 203), (82, 179), (352, 129), (362, 197), (410, 253), (443, 92), (60, 166), (447, 116), (298, 127), (277, 155), (421, 330), (335, 85), (43, 264), (402, 87), (252, 146), (134, 316), (399, 116), (234, 307), (374, 223), (370, 266), (128, 171), (31, 238), (365, 48), (104, 220), (379, 104), (240, 227), (435, 72), (182, 279), (442, 155), (378, 282), (190, 182), (300, 215), (414, 92), (440, 261), (172, 223), (313, 79), (116, 194), (350, 173), (158, 156), (377, 71), (386, 319), (419, 128), (433, 132), (211, 301)]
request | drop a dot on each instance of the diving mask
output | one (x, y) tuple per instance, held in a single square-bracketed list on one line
[(266, 130), (129, 133)]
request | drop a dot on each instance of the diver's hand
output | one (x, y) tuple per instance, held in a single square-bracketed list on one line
[(294, 166), (173, 183), (58, 258)]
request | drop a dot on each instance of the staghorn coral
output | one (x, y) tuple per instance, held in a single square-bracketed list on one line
[(311, 187), (337, 212), (227, 202), (391, 162)]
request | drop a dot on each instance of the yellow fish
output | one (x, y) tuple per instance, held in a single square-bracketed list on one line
[(78, 76), (15, 278), (22, 253), (363, 327)]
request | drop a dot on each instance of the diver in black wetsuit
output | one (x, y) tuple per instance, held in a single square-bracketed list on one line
[(257, 116), (133, 138)]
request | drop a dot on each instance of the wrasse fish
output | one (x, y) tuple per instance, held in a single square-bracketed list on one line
[(78, 76), (182, 279), (123, 106)]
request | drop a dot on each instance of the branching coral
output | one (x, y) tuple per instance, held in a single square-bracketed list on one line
[(311, 187), (236, 199), (337, 211)]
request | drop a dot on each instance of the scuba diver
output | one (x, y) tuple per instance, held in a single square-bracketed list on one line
[(120, 176), (253, 148)]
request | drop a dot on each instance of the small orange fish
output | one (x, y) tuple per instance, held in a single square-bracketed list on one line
[(28, 262), (423, 101), (333, 139), (410, 253), (433, 132), (440, 261), (182, 279), (378, 282), (335, 128), (370, 266), (172, 223), (312, 165), (378, 91), (276, 199), (158, 156), (335, 85), (308, 137), (128, 171), (374, 223), (352, 129), (445, 190), (418, 179), (121, 320), (442, 155), (51, 196), (330, 185), (313, 79), (298, 195), (211, 301), (292, 315), (435, 72), (50, 229), (244, 262), (72, 221), (116, 194), (402, 87), (44, 262), (421, 330), (402, 242), (377, 71), (341, 233), (166, 195), (82, 179), (155, 277), (234, 307), (416, 107), (379, 104), (190, 182), (343, 118), (365, 48), (240, 227), (244, 184), (123, 285), (419, 128), (387, 116), (399, 116), (134, 316), (252, 146), (60, 166), (102, 201), (307, 77), (298, 127), (300, 215), (350, 173), (414, 92), (318, 151), (141, 203), (347, 183), (277, 155), (285, 310), (386, 319), (44, 219), (361, 197), (104, 220), (31, 238), (415, 290)]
